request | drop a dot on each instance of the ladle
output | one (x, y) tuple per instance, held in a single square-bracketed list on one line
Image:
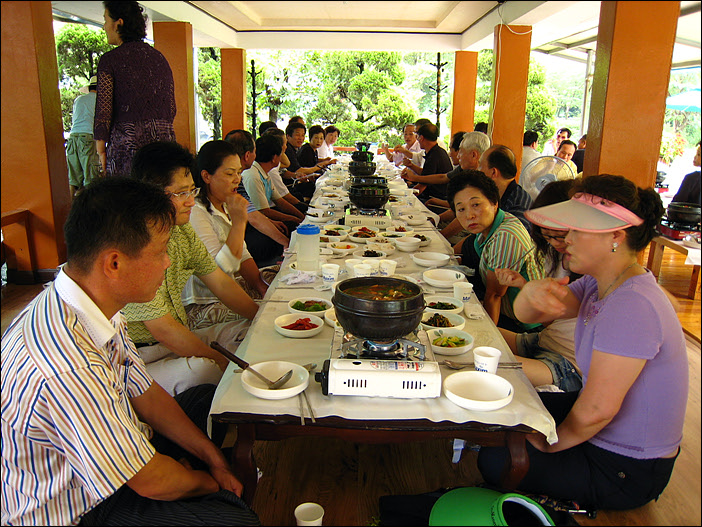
[(272, 385)]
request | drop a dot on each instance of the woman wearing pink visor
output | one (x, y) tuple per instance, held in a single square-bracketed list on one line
[(619, 436)]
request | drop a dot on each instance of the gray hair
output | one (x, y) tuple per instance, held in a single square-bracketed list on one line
[(477, 141)]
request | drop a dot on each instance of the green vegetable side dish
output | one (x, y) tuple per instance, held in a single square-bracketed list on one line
[(442, 305), (449, 342), (310, 305)]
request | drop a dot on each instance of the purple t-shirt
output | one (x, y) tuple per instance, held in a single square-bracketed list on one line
[(637, 320)]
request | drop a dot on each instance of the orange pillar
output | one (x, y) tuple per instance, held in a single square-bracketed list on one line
[(34, 170), (510, 74), (632, 70), (465, 78), (175, 41), (233, 89)]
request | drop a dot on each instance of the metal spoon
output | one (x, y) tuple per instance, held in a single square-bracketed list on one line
[(272, 385), (460, 365)]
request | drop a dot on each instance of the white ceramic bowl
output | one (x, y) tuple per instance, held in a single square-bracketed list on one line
[(330, 318), (423, 243), (392, 235), (286, 320), (399, 229), (443, 278), (359, 254), (477, 390), (430, 259), (318, 215), (385, 246), (324, 238), (273, 370), (407, 244), (343, 247), (305, 299), (345, 228), (413, 218), (433, 334), (359, 239), (342, 233), (456, 321), (448, 299)]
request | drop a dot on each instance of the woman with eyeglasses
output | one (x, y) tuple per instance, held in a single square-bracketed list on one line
[(501, 242), (219, 218), (618, 438), (548, 357)]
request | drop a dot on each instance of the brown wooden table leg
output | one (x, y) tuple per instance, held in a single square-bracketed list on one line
[(243, 462), (693, 281), (519, 460), (655, 257)]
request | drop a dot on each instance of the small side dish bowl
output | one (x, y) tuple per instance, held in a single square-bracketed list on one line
[(308, 299), (443, 278), (442, 300), (290, 318), (413, 218), (456, 321), (453, 334), (361, 254), (407, 244), (343, 248), (273, 369)]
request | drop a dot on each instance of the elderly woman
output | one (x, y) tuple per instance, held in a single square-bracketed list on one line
[(219, 219), (135, 96), (618, 440), (500, 241)]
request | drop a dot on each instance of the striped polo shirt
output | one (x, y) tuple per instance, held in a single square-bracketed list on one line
[(70, 436)]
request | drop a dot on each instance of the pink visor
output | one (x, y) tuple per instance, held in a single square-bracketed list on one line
[(584, 212)]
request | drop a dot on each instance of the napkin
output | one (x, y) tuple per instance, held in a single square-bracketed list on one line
[(298, 277), (474, 312)]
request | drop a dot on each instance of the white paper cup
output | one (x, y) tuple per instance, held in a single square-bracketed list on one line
[(486, 358), (463, 291), (309, 514), (361, 270), (374, 266), (330, 273), (387, 267), (350, 263)]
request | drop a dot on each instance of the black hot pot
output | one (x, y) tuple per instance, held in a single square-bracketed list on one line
[(362, 168), (378, 320), (369, 197), (684, 213)]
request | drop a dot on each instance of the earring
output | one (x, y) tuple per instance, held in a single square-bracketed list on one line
[(614, 247)]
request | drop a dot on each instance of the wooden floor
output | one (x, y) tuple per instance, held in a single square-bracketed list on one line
[(348, 478)]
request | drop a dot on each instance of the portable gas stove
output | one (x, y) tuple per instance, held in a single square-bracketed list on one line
[(677, 231), (403, 368), (379, 218)]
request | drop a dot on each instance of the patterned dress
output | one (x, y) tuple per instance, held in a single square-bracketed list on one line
[(135, 103)]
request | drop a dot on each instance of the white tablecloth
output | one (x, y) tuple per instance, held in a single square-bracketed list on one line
[(263, 343)]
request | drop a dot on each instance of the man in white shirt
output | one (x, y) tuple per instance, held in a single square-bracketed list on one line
[(552, 146), (259, 186), (529, 151)]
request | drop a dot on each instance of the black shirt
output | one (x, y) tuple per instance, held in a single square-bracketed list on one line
[(689, 191), (436, 161), (307, 156)]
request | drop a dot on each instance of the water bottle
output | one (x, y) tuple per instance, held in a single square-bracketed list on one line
[(308, 248)]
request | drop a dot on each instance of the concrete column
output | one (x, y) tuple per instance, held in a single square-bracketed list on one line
[(34, 170), (465, 78), (632, 70), (233, 89), (510, 74), (175, 41)]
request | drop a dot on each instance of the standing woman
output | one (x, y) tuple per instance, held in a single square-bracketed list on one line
[(135, 96), (618, 440)]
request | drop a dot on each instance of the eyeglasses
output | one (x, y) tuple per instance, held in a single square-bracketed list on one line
[(560, 239), (185, 194)]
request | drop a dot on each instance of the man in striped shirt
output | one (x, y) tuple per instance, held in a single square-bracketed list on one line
[(87, 435)]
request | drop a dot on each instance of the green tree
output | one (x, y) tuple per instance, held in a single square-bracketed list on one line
[(209, 88), (78, 51)]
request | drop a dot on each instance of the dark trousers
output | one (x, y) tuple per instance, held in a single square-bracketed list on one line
[(593, 477), (126, 507), (264, 250)]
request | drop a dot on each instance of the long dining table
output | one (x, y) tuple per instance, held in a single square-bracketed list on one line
[(369, 419)]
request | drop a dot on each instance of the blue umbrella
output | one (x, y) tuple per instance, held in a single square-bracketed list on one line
[(688, 101)]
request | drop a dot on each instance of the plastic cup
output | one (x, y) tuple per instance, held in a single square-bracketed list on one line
[(387, 267), (309, 514), (486, 358), (463, 291), (330, 273), (350, 263), (361, 270), (374, 266)]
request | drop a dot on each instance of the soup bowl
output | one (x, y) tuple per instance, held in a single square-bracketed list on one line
[(375, 319)]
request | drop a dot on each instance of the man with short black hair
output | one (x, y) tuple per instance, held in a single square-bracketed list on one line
[(88, 437), (552, 146), (176, 356), (436, 161), (529, 151)]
